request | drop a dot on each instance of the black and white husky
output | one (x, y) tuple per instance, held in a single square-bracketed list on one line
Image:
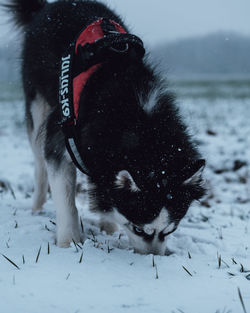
[(143, 169)]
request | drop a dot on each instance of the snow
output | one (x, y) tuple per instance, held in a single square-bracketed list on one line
[(111, 277)]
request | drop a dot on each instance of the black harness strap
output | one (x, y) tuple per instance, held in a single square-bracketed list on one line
[(68, 121)]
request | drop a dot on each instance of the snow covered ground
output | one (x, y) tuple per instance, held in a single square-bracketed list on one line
[(211, 258)]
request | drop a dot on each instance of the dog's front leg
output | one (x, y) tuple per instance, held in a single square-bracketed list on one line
[(62, 182)]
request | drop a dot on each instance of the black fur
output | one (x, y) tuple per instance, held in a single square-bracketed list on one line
[(24, 9), (116, 133)]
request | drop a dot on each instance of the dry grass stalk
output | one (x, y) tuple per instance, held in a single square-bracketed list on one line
[(13, 263), (80, 261), (38, 254), (156, 272), (153, 261), (241, 300), (185, 269)]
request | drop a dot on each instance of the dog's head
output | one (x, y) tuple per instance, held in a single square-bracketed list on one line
[(151, 211), (149, 206)]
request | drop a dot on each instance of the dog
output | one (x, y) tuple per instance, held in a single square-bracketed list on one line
[(114, 119)]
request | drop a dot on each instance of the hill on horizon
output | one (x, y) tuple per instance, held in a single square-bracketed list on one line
[(213, 54)]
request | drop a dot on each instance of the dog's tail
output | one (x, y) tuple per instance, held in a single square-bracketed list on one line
[(24, 10)]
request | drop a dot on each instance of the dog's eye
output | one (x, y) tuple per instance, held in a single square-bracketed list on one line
[(138, 231)]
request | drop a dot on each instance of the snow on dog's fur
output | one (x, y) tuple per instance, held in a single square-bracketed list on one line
[(144, 171)]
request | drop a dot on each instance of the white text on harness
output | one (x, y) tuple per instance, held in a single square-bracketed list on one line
[(64, 86)]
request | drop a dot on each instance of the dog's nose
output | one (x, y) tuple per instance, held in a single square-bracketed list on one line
[(157, 251), (161, 251)]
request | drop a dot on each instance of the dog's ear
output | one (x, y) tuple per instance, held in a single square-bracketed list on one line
[(194, 172), (124, 180)]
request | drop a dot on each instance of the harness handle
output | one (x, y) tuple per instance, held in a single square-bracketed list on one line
[(113, 46)]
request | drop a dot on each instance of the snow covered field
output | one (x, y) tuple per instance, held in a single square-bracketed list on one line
[(211, 258)]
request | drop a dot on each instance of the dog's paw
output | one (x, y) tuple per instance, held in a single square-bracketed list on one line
[(62, 244), (65, 238), (37, 210)]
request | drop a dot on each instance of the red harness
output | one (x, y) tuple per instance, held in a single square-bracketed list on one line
[(92, 47), (90, 35)]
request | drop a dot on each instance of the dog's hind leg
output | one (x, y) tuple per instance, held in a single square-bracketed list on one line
[(62, 180)]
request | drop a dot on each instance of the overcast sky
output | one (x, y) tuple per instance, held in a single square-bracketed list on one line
[(165, 20)]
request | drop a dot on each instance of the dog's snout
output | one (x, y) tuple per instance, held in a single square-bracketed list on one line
[(155, 250)]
